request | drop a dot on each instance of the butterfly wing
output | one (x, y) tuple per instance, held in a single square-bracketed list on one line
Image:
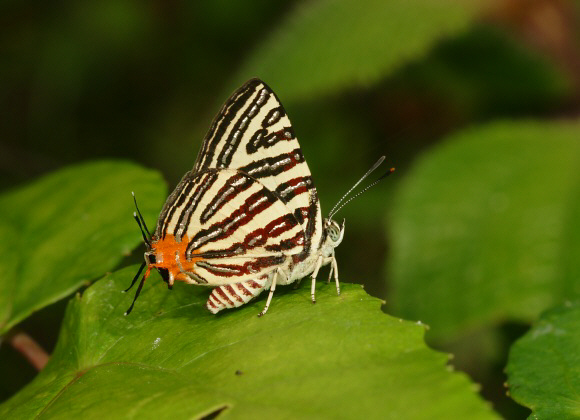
[(231, 227), (253, 134)]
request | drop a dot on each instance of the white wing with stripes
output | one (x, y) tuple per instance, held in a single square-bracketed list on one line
[(235, 228), (253, 134), (247, 216)]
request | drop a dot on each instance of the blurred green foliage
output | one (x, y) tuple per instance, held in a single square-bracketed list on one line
[(142, 81), (544, 365), (487, 215)]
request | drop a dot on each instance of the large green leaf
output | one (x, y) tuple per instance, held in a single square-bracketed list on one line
[(340, 358), (483, 226), (325, 46), (544, 365), (67, 229), (481, 73)]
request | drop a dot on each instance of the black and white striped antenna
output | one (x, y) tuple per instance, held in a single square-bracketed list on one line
[(338, 205)]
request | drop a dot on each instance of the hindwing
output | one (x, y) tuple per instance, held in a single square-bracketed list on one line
[(235, 227)]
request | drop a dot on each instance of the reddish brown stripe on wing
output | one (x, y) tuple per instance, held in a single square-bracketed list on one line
[(259, 237), (250, 267), (240, 292), (211, 303), (233, 292), (216, 299), (287, 244), (244, 291), (231, 189), (254, 205), (223, 296), (253, 284), (296, 186)]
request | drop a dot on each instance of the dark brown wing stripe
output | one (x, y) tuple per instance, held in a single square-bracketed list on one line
[(227, 114), (259, 237), (254, 205), (234, 186), (174, 200), (288, 190), (249, 267), (287, 244), (264, 139), (273, 116), (242, 123), (232, 251), (205, 184), (311, 212), (275, 165)]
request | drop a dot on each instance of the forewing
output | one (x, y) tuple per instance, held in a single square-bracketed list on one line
[(253, 134), (236, 228)]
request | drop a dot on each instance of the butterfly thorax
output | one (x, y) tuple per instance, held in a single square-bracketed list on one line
[(331, 238), (168, 256)]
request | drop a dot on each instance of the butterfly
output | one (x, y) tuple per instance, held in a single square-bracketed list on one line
[(247, 217)]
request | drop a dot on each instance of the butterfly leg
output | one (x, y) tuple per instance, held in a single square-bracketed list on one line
[(237, 294), (314, 274), (279, 272), (334, 268), (330, 273)]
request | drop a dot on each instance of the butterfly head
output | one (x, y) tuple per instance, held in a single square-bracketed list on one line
[(334, 232), (152, 259)]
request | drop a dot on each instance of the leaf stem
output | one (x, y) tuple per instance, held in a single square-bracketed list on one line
[(29, 348)]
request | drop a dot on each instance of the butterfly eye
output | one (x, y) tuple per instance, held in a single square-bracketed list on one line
[(150, 258), (333, 233)]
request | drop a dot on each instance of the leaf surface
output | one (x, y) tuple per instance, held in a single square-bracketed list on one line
[(67, 229), (544, 365), (485, 227), (326, 46), (340, 358)]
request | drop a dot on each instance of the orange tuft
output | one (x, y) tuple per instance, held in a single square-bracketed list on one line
[(165, 250)]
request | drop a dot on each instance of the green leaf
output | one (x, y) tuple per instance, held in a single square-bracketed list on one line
[(340, 358), (483, 225), (482, 73), (67, 229), (325, 46), (544, 365)]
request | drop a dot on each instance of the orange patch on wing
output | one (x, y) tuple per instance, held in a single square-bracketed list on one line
[(165, 251)]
